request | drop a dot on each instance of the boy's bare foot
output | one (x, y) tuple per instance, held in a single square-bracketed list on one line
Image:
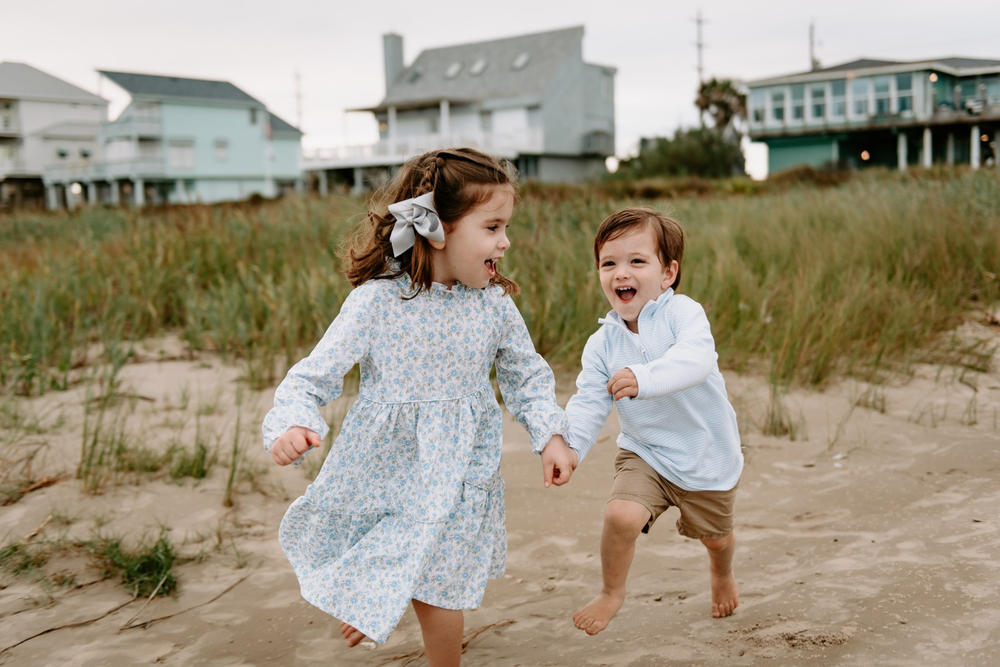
[(597, 613), (725, 597), (351, 634)]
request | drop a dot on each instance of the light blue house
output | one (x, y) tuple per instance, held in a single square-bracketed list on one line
[(182, 140)]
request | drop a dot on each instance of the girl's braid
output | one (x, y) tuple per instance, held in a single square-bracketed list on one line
[(428, 183)]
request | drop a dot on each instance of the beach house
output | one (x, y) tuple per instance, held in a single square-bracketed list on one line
[(529, 98), (43, 120), (182, 140), (879, 112)]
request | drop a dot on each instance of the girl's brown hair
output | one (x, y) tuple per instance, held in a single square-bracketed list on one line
[(461, 178), (668, 233)]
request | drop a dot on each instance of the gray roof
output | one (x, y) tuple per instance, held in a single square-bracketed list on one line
[(21, 81), (967, 63), (953, 65), (860, 63), (164, 87), (453, 72), (280, 126)]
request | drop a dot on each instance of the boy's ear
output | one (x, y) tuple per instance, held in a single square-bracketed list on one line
[(437, 245), (670, 274)]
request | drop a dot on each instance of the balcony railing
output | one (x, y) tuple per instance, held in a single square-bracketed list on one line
[(149, 125), (84, 170), (402, 148), (9, 126), (13, 166)]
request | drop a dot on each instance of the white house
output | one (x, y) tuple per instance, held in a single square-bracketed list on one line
[(529, 98), (183, 140), (43, 120)]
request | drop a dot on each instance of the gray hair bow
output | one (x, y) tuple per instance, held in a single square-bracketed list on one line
[(416, 214)]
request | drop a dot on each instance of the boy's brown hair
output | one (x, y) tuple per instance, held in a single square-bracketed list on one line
[(461, 178), (667, 231)]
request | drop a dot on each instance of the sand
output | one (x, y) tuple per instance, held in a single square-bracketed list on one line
[(868, 538)]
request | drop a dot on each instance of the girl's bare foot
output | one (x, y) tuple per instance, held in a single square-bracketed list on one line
[(351, 634), (597, 613), (725, 597)]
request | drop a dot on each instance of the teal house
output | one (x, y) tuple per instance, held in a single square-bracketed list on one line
[(879, 112), (182, 140)]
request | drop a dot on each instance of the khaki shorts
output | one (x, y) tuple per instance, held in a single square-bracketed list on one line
[(703, 513)]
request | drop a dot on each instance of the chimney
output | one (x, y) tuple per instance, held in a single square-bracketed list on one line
[(392, 48)]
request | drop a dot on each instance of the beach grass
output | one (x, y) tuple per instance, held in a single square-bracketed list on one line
[(801, 282)]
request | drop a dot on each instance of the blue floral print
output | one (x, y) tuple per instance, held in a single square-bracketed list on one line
[(409, 502)]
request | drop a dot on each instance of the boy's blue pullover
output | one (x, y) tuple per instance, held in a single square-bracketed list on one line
[(681, 423)]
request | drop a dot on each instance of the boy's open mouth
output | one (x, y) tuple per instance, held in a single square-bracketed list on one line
[(625, 293), (491, 267)]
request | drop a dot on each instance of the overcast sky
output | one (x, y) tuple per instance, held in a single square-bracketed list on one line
[(336, 46)]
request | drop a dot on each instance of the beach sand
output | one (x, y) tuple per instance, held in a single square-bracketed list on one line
[(868, 538)]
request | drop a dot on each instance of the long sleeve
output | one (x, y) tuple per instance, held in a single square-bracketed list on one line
[(319, 378), (688, 362), (526, 381), (590, 406)]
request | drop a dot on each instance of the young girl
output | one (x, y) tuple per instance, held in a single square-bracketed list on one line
[(409, 503)]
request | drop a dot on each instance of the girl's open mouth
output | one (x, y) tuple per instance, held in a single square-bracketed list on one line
[(491, 267), (625, 293)]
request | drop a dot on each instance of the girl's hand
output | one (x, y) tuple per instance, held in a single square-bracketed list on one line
[(622, 384), (293, 443), (558, 462)]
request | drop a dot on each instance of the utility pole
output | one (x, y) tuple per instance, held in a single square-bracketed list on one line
[(813, 60), (700, 44), (298, 100)]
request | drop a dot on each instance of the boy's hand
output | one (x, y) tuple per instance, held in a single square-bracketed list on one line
[(558, 462), (293, 443), (622, 384)]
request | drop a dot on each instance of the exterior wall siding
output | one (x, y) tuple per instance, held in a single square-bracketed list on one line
[(789, 152), (562, 101), (204, 126), (37, 151)]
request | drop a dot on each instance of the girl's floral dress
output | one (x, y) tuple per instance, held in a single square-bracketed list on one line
[(409, 503)]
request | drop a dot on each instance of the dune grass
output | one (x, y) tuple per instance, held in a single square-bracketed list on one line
[(802, 283)]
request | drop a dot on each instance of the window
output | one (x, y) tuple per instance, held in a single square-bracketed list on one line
[(486, 121), (817, 95), (478, 66), (859, 96), (527, 166), (534, 116), (904, 92), (881, 85), (85, 153), (453, 70), (778, 105), (62, 153), (521, 60), (838, 98), (606, 86), (221, 150), (758, 100), (253, 116), (798, 101), (181, 154)]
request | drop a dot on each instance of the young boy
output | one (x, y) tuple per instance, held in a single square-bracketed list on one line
[(654, 357)]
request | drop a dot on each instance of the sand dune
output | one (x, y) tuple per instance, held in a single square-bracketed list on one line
[(871, 538)]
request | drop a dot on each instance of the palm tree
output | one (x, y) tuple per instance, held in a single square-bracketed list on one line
[(721, 100)]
